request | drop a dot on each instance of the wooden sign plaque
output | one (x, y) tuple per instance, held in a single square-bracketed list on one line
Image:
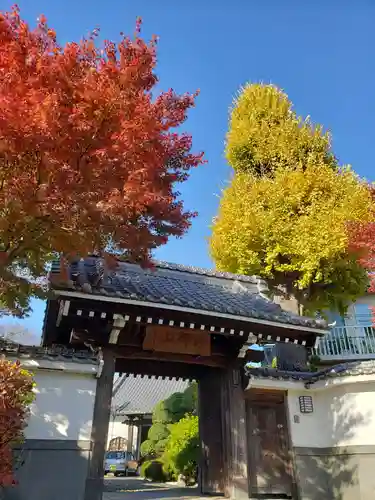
[(177, 340)]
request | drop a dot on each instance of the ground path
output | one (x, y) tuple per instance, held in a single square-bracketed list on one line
[(130, 488)]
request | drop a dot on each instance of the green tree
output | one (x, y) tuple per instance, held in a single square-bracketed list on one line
[(160, 414), (178, 405), (191, 395), (284, 215), (167, 412), (158, 432), (182, 452), (148, 448)]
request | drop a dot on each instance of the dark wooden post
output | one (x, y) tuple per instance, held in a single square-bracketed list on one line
[(210, 422), (99, 432), (234, 423)]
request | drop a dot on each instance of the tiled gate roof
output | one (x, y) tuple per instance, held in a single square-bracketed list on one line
[(181, 286)]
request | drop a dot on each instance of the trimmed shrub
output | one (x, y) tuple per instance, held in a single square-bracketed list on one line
[(148, 449), (154, 471), (158, 432), (160, 446), (183, 448), (160, 414)]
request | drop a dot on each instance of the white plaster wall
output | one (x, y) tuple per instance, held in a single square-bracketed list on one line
[(343, 415), (310, 431), (63, 407)]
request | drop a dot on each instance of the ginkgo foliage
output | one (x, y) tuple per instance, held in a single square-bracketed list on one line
[(287, 214), (292, 230), (89, 158), (265, 133)]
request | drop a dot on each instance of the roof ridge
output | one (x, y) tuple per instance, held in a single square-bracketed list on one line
[(351, 368), (204, 271), (162, 264), (89, 276), (55, 352)]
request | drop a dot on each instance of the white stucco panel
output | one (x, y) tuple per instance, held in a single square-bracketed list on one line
[(343, 415), (63, 407), (308, 430)]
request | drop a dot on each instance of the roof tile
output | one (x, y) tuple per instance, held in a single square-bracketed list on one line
[(136, 395), (182, 286), (341, 370)]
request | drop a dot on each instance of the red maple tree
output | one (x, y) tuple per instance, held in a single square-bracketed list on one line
[(16, 395), (362, 243), (89, 159)]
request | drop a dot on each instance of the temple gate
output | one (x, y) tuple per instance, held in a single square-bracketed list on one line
[(172, 321)]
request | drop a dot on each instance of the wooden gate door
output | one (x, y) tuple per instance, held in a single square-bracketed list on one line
[(270, 468)]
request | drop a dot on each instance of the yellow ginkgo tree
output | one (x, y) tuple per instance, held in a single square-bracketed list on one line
[(285, 214)]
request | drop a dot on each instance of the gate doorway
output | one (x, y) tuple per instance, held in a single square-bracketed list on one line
[(208, 411), (269, 457)]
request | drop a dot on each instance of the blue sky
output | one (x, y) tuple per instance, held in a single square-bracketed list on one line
[(321, 53)]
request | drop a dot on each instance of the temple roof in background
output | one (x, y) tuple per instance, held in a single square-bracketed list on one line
[(139, 395)]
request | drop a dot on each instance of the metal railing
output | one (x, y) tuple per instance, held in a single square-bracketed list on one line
[(347, 343)]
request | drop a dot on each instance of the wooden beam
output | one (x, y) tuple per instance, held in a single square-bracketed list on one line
[(129, 338), (135, 353), (99, 431), (274, 330), (149, 367)]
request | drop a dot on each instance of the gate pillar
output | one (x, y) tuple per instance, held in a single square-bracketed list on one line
[(222, 417), (234, 434), (99, 432), (211, 433)]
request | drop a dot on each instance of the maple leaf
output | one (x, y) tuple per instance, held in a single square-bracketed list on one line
[(89, 160)]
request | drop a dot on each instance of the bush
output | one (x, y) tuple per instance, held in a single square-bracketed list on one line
[(148, 448), (191, 395), (160, 414), (158, 432), (154, 471), (183, 449), (160, 446), (175, 407), (166, 413), (178, 405), (16, 394)]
